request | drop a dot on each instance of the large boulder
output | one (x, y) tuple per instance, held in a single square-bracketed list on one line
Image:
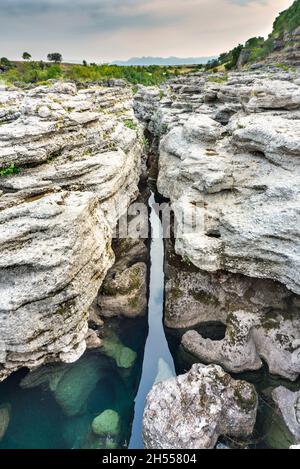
[(71, 385), (193, 410)]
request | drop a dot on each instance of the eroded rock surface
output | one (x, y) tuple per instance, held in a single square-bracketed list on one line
[(288, 404), (229, 157), (193, 410), (76, 156)]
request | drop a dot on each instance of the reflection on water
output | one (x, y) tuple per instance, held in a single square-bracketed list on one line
[(55, 406), (98, 402), (158, 362)]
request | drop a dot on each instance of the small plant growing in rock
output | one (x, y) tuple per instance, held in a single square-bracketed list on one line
[(163, 129), (146, 143), (221, 79), (130, 124), (12, 169)]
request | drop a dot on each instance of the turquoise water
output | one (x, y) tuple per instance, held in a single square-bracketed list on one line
[(43, 416), (55, 406)]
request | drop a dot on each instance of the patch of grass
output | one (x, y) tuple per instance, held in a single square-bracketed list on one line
[(283, 67), (221, 79)]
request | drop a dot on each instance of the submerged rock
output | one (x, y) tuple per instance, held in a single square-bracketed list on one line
[(113, 348), (107, 424), (5, 410), (71, 385), (193, 410)]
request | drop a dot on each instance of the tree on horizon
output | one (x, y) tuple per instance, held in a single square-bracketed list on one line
[(55, 57), (26, 56)]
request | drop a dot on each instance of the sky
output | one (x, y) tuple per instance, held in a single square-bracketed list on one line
[(106, 30)]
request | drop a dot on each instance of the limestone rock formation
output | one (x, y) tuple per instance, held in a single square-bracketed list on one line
[(76, 164), (249, 339), (124, 290), (232, 191), (193, 410), (229, 163), (288, 404)]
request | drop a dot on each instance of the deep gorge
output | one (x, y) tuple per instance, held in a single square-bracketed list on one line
[(228, 296)]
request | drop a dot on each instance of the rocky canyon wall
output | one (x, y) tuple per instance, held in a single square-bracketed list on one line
[(75, 156), (229, 149)]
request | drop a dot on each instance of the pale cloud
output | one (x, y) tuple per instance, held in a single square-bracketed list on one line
[(109, 29)]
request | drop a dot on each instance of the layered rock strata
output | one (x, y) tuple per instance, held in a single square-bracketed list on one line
[(229, 154), (75, 158)]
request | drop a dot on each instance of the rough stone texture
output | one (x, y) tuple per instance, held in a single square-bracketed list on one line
[(79, 164), (249, 339), (240, 230), (261, 317), (229, 154), (194, 296), (193, 410), (288, 404), (124, 290)]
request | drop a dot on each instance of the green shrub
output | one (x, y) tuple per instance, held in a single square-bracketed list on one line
[(34, 72), (12, 169)]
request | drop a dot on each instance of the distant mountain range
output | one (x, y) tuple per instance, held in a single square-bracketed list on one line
[(164, 61)]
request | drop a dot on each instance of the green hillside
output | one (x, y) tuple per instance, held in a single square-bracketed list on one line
[(257, 48), (288, 20)]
